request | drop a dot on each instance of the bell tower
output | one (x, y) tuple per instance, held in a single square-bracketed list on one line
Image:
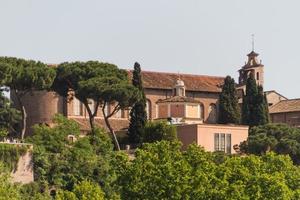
[(252, 66)]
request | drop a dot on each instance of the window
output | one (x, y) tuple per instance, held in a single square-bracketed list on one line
[(106, 110), (228, 143), (217, 139), (222, 142), (118, 114), (148, 108), (91, 105), (257, 75), (77, 107), (180, 92), (212, 113), (201, 111)]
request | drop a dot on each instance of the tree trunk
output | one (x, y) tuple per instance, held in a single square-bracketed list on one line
[(113, 133), (23, 112), (91, 116), (24, 117)]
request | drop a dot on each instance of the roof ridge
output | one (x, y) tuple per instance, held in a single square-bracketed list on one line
[(295, 99), (186, 74)]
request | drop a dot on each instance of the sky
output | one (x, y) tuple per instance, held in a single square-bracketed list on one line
[(207, 37)]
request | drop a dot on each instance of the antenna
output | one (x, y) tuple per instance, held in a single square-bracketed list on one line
[(178, 75), (252, 36)]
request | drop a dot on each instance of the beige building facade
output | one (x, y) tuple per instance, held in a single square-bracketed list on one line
[(213, 137)]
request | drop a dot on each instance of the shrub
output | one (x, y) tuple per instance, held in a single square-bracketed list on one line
[(159, 130)]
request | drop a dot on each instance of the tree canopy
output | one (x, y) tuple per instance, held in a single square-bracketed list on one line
[(103, 83), (255, 105), (23, 77), (279, 138), (9, 117), (61, 162), (138, 115), (229, 112), (162, 171)]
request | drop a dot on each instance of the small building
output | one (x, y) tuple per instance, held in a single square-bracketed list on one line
[(213, 137), (186, 114), (274, 97), (286, 111)]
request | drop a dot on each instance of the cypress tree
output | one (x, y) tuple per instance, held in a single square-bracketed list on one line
[(260, 109), (229, 108), (266, 109), (250, 102), (255, 106), (138, 115)]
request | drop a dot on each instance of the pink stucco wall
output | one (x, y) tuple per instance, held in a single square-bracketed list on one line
[(203, 134)]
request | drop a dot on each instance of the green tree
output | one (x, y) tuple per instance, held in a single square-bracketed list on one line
[(138, 115), (85, 190), (255, 106), (159, 130), (229, 111), (279, 138), (62, 163), (262, 111), (249, 102), (158, 172), (7, 189), (102, 83), (9, 117), (162, 170), (26, 76)]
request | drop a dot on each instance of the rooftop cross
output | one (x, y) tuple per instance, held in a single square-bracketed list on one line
[(252, 42)]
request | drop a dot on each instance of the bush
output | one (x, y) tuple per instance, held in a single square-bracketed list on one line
[(159, 130), (10, 154), (279, 138), (161, 170)]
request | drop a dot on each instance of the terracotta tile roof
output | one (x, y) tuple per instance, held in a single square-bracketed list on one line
[(178, 99), (117, 124), (164, 80), (292, 105)]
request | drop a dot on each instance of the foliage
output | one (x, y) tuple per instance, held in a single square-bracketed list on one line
[(85, 190), (162, 171), (61, 163), (262, 108), (279, 138), (34, 191), (10, 154), (138, 115), (255, 105), (7, 189), (103, 83), (9, 117), (229, 111), (25, 76), (159, 130)]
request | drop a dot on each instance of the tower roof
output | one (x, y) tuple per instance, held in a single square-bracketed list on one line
[(253, 54)]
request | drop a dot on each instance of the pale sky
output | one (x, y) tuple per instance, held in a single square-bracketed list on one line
[(210, 37)]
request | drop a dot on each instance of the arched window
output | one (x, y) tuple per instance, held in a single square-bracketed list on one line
[(201, 111), (212, 113), (118, 114), (257, 75), (77, 107), (148, 108), (91, 105)]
